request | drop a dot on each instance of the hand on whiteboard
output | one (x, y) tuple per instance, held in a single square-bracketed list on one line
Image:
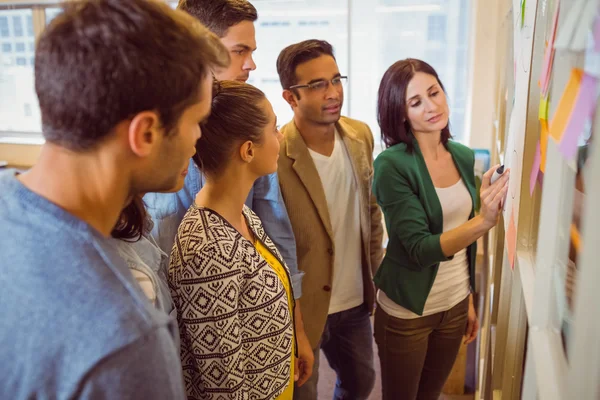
[(492, 196)]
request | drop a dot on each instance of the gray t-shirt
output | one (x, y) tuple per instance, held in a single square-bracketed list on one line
[(74, 322)]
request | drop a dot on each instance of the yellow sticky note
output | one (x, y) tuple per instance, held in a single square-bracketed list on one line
[(543, 113), (565, 106)]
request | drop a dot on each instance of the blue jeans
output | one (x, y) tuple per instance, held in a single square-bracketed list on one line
[(347, 342)]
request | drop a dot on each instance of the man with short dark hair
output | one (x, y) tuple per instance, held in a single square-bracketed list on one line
[(233, 21), (325, 173), (75, 324)]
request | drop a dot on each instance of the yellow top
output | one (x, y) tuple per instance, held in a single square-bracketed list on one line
[(281, 273)]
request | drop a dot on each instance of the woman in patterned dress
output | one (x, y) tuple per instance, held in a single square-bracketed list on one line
[(228, 281)]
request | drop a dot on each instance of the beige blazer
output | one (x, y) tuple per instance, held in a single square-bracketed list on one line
[(306, 205)]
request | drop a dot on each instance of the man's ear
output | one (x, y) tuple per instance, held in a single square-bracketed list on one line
[(247, 151), (290, 98), (143, 133)]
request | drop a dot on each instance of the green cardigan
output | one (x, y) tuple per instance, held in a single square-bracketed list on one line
[(414, 221)]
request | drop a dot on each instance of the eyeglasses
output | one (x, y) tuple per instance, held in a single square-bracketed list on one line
[(322, 85)]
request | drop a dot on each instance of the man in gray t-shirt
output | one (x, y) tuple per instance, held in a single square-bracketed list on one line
[(122, 87)]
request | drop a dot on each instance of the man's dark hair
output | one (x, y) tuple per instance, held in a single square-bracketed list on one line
[(297, 54), (102, 62), (219, 15)]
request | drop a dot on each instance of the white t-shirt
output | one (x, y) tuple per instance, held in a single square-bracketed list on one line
[(451, 285), (341, 191)]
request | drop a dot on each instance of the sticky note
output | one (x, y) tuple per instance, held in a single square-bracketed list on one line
[(543, 113), (582, 113), (523, 12), (535, 168), (596, 33), (565, 106), (511, 239), (549, 54), (543, 144)]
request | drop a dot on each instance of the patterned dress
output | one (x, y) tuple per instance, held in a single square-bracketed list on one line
[(234, 314)]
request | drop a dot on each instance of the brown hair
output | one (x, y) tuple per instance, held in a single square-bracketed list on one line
[(297, 54), (101, 62), (236, 117), (219, 15), (391, 105), (132, 221)]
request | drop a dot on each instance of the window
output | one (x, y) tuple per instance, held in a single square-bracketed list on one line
[(436, 28), (383, 31), (283, 23), (17, 25), (16, 76), (4, 31), (30, 26)]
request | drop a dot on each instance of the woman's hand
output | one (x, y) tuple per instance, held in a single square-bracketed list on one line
[(472, 323), (492, 196)]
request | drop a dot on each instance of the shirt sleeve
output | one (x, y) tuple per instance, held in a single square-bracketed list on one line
[(269, 206), (148, 368)]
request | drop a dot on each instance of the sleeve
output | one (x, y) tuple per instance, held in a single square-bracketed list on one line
[(149, 368), (206, 295), (376, 245), (405, 215), (269, 206)]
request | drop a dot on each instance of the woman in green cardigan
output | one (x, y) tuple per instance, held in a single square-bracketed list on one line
[(425, 185)]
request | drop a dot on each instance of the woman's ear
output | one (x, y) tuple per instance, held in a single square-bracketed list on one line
[(247, 151)]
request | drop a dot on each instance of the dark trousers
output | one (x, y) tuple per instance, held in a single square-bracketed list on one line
[(417, 355), (347, 342)]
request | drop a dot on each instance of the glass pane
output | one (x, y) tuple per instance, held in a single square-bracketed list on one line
[(283, 23), (386, 31), (436, 32), (19, 111)]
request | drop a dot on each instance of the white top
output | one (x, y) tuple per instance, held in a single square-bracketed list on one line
[(341, 191), (451, 285)]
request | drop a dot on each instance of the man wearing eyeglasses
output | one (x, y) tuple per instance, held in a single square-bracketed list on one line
[(325, 174)]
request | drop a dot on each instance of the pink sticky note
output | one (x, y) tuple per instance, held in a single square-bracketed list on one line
[(535, 168), (581, 113), (511, 239), (549, 54), (597, 34)]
